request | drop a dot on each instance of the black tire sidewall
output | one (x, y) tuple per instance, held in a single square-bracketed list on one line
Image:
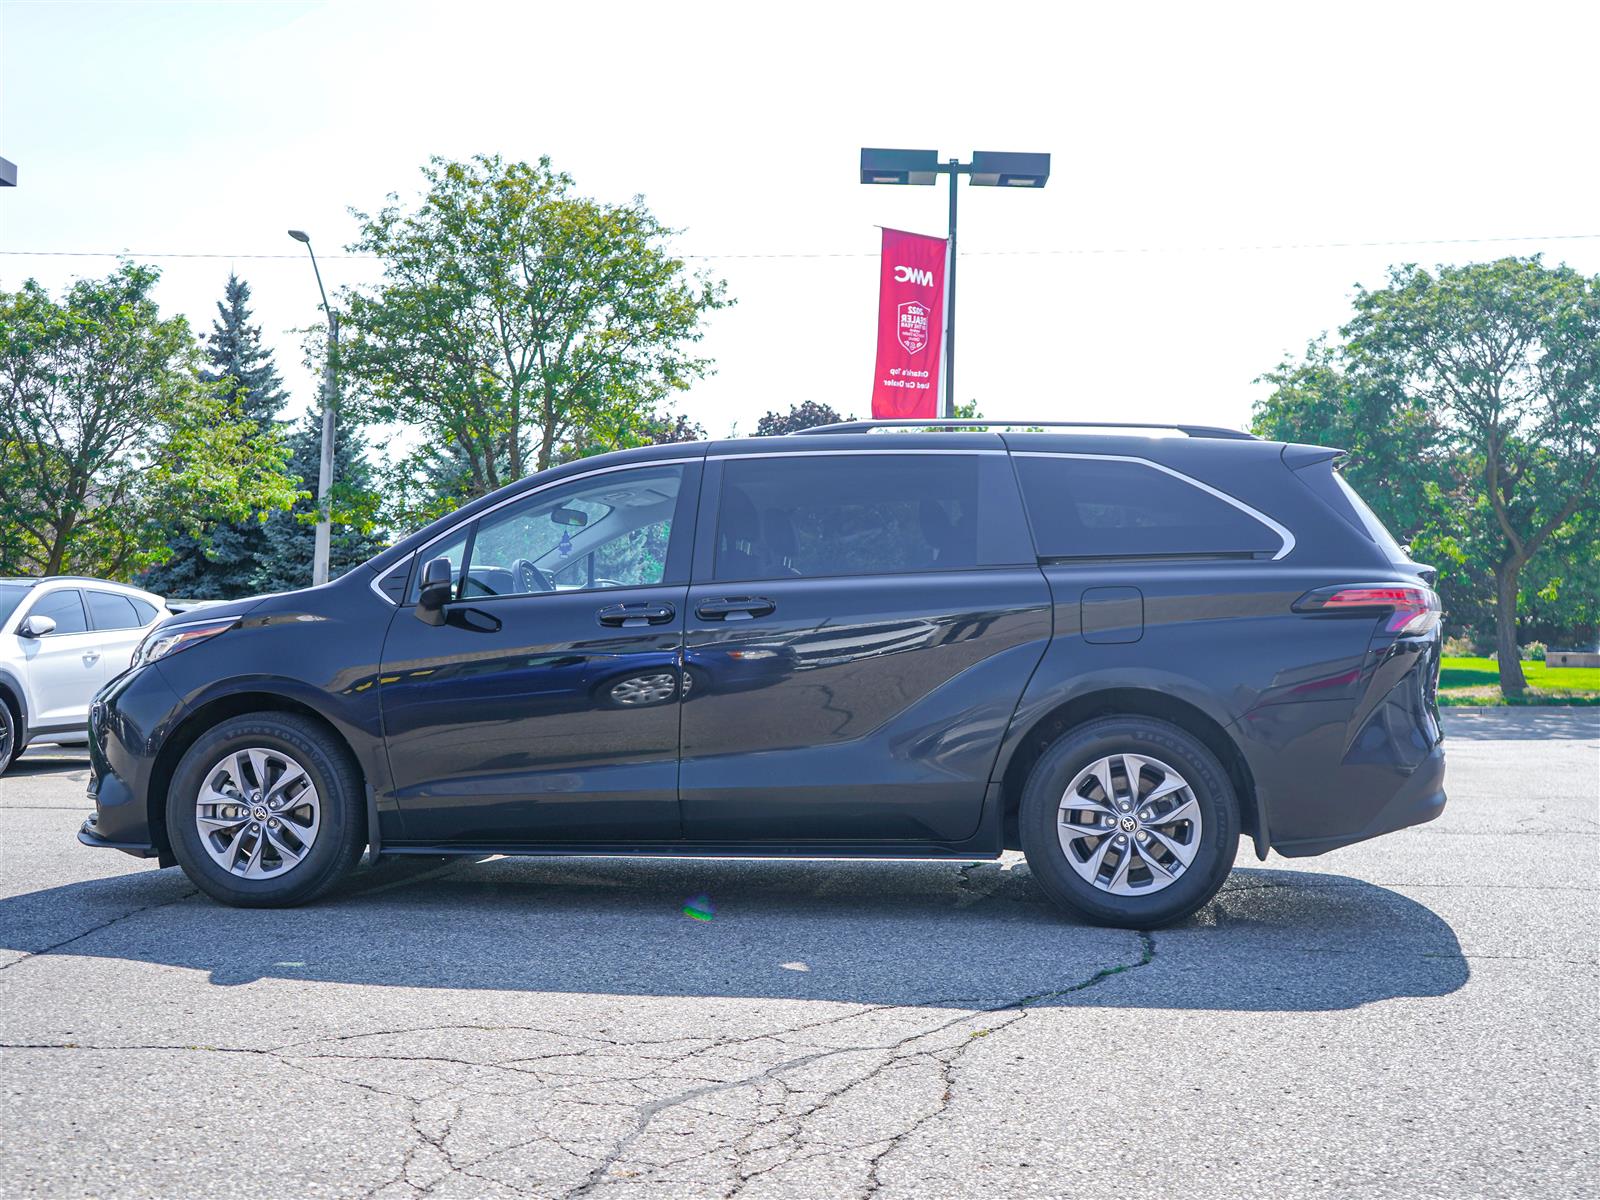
[(1060, 764), (9, 751), (342, 820)]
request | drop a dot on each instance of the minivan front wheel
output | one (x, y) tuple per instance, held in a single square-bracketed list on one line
[(1129, 821), (266, 811)]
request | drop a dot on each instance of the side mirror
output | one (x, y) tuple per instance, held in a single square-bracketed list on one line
[(36, 627), (438, 587)]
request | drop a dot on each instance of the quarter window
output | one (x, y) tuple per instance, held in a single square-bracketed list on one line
[(1113, 508), (815, 515), (65, 608)]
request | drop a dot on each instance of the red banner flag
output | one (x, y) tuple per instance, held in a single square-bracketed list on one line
[(910, 325)]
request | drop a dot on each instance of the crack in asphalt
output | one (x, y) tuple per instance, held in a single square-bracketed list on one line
[(54, 946), (661, 1089)]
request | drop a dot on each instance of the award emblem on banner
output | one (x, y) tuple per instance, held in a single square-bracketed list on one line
[(912, 326)]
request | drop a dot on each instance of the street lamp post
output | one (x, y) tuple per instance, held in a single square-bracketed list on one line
[(988, 168), (324, 539)]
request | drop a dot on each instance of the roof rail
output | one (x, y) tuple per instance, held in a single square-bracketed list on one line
[(1194, 431)]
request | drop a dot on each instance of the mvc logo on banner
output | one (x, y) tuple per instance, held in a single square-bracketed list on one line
[(910, 325)]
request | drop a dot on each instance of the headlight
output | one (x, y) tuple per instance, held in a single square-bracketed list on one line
[(161, 642)]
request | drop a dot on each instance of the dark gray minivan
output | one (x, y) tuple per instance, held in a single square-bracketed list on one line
[(1118, 649)]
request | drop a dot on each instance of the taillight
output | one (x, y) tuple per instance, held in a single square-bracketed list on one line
[(1412, 608)]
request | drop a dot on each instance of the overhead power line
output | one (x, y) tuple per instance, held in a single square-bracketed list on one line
[(1065, 251)]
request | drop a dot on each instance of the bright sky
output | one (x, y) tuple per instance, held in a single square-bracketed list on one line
[(1124, 290)]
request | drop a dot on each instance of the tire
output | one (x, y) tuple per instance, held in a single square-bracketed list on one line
[(1206, 825), (8, 737), (324, 818)]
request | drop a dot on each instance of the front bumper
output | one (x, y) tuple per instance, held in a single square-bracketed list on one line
[(128, 722), (89, 835)]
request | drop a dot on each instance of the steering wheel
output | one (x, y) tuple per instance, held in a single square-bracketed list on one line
[(530, 578)]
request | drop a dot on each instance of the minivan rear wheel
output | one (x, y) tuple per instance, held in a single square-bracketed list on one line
[(1129, 821), (266, 810)]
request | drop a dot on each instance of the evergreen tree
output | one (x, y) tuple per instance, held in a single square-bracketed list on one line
[(222, 562), (289, 538)]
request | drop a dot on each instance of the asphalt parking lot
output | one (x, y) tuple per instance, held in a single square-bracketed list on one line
[(1411, 1017)]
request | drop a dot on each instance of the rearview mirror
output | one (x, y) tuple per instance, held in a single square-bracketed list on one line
[(36, 627), (570, 516), (438, 586)]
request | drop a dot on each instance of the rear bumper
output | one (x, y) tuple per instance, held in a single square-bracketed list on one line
[(1340, 770), (1420, 799)]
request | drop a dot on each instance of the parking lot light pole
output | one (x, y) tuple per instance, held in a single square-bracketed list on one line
[(988, 168), (324, 539)]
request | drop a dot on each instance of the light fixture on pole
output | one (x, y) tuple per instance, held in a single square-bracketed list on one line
[(324, 538), (988, 168)]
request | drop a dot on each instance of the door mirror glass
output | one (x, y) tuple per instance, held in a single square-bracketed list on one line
[(37, 627), (438, 586)]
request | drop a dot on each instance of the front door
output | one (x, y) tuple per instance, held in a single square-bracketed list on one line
[(545, 709), (860, 628), (65, 667)]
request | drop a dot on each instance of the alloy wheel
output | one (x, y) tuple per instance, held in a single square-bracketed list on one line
[(258, 813), (1129, 824), (645, 689)]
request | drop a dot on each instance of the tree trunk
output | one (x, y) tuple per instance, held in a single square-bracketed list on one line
[(58, 549), (1512, 681)]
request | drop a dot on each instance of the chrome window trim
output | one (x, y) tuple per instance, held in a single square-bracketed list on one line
[(375, 582), (1282, 531), (520, 496)]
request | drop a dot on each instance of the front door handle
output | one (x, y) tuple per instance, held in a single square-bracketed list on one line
[(90, 657), (640, 612), (734, 608)]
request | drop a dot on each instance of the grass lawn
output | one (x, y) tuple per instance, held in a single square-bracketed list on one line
[(1476, 681)]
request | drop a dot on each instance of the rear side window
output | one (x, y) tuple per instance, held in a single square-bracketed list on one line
[(822, 514), (65, 608), (1368, 521), (112, 612), (146, 610), (1119, 508), (1333, 490)]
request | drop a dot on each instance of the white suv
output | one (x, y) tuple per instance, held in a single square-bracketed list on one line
[(61, 639)]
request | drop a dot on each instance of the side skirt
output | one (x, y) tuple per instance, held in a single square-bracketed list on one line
[(885, 850)]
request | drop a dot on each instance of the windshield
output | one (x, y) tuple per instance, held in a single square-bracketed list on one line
[(11, 595)]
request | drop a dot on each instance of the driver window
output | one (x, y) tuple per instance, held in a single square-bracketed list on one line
[(606, 531)]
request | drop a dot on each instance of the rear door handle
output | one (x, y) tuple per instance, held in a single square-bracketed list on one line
[(640, 612), (90, 657), (734, 608)]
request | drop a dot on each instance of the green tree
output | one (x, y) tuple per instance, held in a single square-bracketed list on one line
[(111, 438), (224, 559), (1470, 399), (515, 315), (808, 415), (1507, 354)]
